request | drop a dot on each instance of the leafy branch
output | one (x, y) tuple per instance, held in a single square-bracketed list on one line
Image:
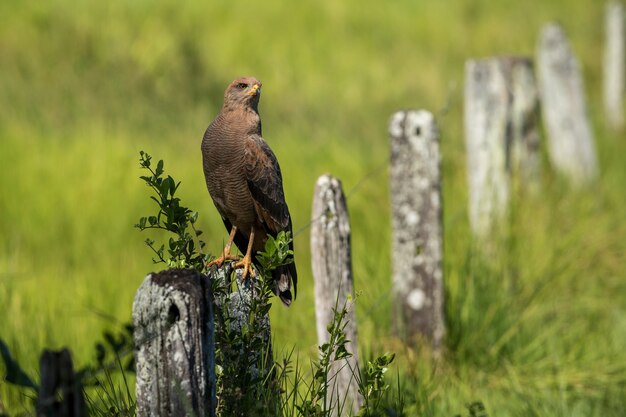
[(182, 250), (372, 384), (334, 349), (276, 253)]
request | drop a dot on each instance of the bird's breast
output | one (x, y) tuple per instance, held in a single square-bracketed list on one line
[(223, 160)]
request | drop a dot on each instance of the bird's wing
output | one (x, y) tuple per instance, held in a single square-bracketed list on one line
[(266, 185)]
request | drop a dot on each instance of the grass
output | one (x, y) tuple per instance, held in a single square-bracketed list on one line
[(536, 329)]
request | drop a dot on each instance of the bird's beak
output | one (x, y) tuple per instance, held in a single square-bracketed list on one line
[(255, 90)]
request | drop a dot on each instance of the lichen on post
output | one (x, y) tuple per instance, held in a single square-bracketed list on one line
[(174, 342), (331, 260), (570, 140), (501, 137), (417, 240)]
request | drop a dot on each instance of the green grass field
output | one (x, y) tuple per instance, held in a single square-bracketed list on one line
[(537, 329)]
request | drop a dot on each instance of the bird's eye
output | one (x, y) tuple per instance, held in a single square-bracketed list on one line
[(242, 86)]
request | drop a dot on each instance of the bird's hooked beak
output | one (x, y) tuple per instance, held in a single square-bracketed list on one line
[(255, 90)]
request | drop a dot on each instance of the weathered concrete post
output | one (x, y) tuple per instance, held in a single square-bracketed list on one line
[(174, 341), (236, 309), (244, 339), (60, 391), (501, 136), (417, 240), (523, 140), (332, 271), (570, 141), (614, 57)]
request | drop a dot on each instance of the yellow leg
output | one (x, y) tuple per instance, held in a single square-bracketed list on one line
[(226, 253), (246, 262)]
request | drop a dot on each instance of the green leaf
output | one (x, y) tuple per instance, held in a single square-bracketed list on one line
[(164, 188), (386, 359), (342, 353), (142, 223), (159, 168), (146, 161)]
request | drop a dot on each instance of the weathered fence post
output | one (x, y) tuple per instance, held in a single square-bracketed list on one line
[(417, 240), (522, 138), (332, 271), (60, 391), (174, 339), (614, 56), (244, 338), (501, 136), (236, 309), (570, 141)]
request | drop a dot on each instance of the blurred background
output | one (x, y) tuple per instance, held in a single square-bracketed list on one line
[(538, 329)]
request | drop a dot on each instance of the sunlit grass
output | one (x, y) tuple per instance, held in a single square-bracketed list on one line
[(535, 328)]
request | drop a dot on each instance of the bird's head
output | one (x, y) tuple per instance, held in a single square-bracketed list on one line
[(244, 91)]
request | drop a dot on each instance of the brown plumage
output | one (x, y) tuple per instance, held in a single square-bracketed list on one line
[(245, 183)]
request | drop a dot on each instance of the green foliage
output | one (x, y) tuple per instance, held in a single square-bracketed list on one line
[(171, 217), (276, 253), (115, 352), (111, 399), (314, 401), (316, 404), (246, 379), (372, 384), (243, 356), (535, 329)]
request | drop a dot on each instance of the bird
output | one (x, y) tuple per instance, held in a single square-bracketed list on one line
[(244, 180)]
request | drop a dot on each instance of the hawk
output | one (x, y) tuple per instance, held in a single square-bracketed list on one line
[(244, 180)]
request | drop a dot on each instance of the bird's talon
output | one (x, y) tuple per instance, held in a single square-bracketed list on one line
[(217, 262), (220, 261), (246, 263)]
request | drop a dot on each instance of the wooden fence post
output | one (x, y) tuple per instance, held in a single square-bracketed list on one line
[(501, 135), (570, 141), (60, 391), (417, 240), (614, 56), (174, 339), (332, 271)]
